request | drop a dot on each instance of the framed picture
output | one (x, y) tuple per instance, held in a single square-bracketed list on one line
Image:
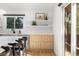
[(41, 16)]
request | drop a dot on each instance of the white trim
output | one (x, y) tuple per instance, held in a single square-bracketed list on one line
[(73, 29), (65, 5), (63, 12)]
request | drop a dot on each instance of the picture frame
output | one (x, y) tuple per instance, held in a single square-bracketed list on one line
[(41, 16)]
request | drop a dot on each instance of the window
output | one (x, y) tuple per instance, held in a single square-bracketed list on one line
[(19, 23), (10, 22), (15, 22)]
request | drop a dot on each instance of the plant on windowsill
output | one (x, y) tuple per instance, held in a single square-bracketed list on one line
[(13, 30)]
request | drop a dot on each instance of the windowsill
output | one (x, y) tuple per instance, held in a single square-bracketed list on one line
[(27, 34), (11, 34)]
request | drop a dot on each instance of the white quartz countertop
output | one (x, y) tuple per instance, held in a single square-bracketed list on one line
[(11, 34), (1, 50), (22, 34)]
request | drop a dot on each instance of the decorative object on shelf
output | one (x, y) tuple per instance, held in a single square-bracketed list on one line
[(46, 18), (19, 32), (41, 16), (34, 23)]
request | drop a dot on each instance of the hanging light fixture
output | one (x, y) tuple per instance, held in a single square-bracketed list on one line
[(59, 4), (2, 11)]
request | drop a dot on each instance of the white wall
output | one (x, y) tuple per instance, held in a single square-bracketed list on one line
[(58, 30), (30, 11)]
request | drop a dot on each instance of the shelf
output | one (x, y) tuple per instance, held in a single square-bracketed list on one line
[(38, 26)]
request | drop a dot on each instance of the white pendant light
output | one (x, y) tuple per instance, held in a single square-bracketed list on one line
[(2, 11)]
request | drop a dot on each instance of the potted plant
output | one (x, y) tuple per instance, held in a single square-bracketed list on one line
[(34, 23)]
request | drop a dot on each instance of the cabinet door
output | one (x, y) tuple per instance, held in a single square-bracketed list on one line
[(41, 42)]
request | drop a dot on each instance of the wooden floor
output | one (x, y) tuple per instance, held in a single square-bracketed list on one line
[(34, 53), (40, 53)]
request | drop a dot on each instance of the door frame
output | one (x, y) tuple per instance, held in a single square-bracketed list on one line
[(73, 28)]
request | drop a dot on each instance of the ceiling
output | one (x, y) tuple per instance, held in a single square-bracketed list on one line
[(24, 6)]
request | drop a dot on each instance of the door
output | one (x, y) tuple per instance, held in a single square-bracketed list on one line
[(77, 31), (67, 35)]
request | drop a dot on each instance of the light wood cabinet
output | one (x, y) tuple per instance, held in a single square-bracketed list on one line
[(41, 41)]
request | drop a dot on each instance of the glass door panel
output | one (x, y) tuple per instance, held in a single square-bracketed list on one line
[(67, 42), (77, 42)]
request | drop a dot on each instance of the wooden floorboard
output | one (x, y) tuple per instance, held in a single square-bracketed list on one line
[(40, 53)]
